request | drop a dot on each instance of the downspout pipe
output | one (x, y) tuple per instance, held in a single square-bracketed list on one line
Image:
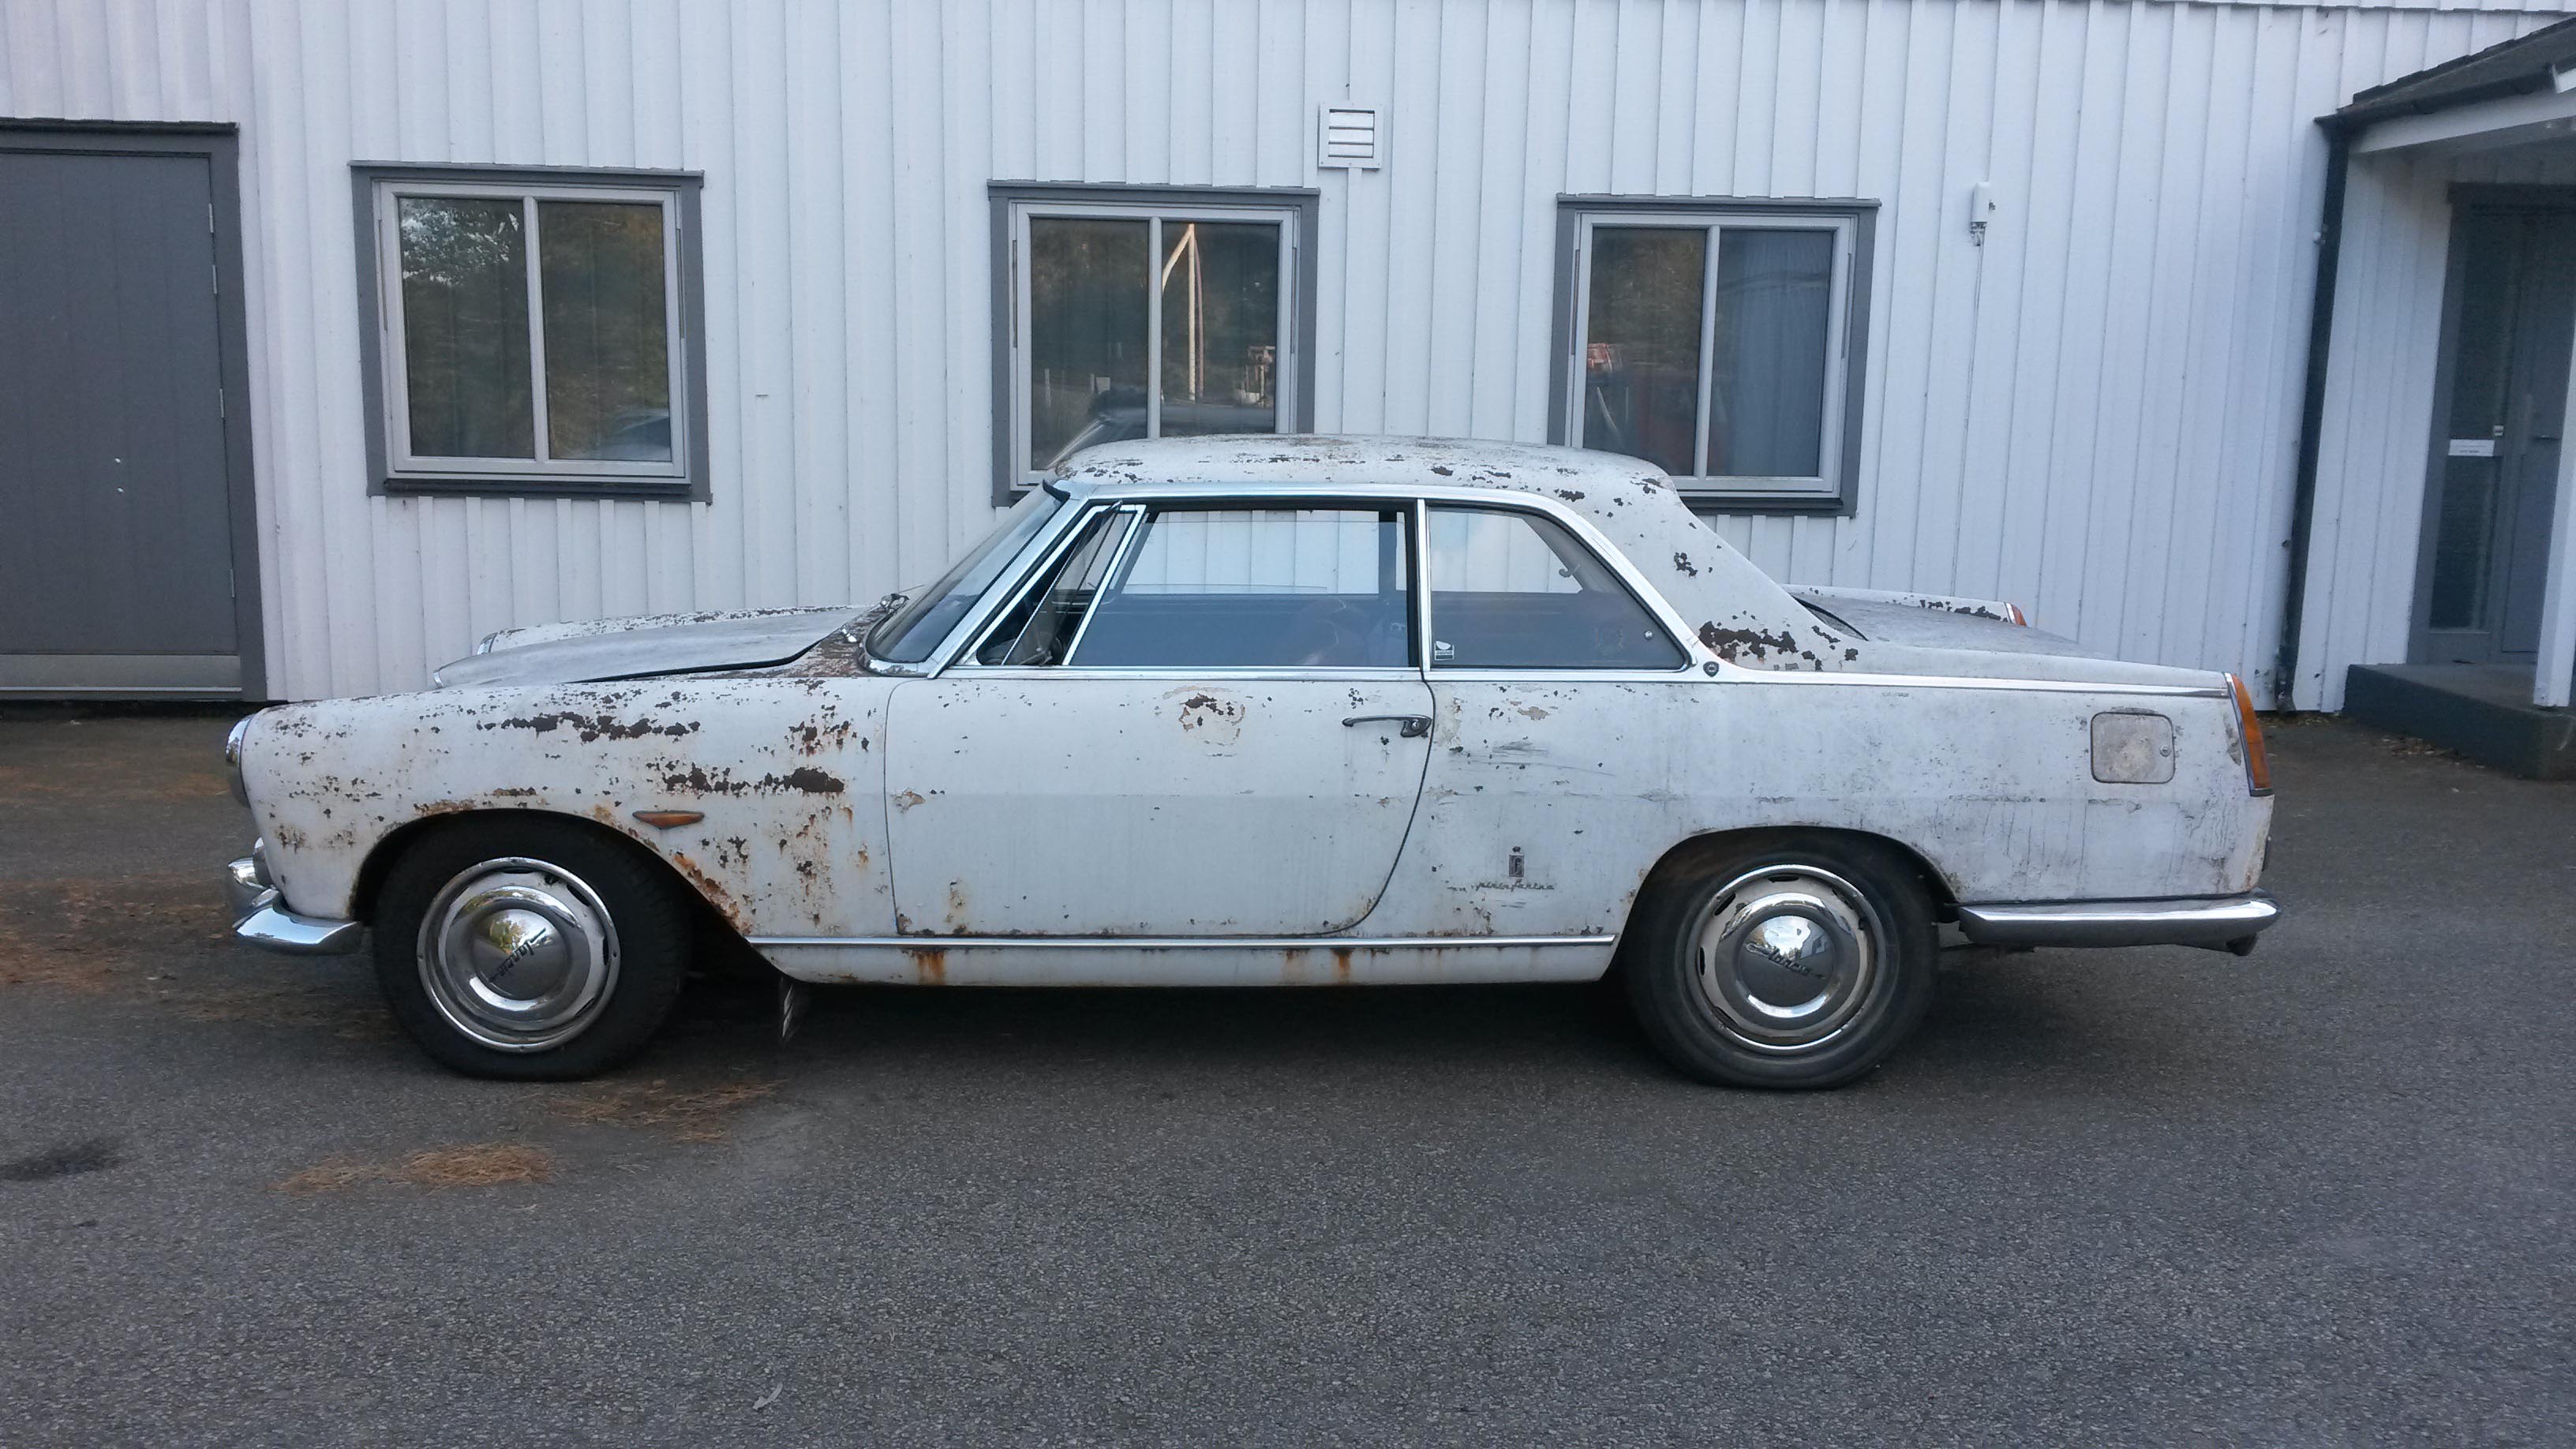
[(2312, 407)]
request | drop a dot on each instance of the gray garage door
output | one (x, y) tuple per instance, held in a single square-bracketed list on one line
[(116, 491)]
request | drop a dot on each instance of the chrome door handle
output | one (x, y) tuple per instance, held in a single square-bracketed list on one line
[(1410, 726)]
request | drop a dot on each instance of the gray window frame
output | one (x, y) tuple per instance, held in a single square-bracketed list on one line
[(1841, 493), (1301, 206), (385, 475)]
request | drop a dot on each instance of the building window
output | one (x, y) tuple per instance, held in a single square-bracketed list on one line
[(1720, 341), (533, 332), (1125, 312)]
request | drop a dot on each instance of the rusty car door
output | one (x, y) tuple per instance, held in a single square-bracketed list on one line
[(1200, 723)]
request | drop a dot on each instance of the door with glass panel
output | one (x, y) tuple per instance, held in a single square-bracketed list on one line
[(2501, 403), (1197, 721)]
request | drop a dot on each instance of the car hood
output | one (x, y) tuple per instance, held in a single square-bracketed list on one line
[(636, 648)]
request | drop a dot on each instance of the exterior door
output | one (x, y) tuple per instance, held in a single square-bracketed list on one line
[(120, 474), (1196, 723), (2511, 315)]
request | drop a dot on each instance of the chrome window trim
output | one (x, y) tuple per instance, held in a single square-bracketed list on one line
[(1019, 589), (1086, 499), (1118, 562), (1189, 943), (1004, 594), (1604, 552), (1422, 576), (1728, 671), (1555, 675), (1085, 496), (1271, 496), (1283, 673)]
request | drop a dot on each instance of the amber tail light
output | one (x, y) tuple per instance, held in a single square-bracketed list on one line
[(2249, 728)]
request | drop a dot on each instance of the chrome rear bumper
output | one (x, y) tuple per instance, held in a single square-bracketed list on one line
[(260, 915), (2221, 923)]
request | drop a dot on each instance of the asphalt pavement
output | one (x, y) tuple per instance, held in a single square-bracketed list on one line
[(2317, 1196)]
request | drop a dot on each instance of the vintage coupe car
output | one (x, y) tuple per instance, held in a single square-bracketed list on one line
[(1266, 710)]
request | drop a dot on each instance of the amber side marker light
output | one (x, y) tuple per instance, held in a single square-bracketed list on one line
[(2249, 727), (2013, 612), (667, 819)]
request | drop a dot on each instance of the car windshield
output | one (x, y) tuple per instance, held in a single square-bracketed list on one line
[(909, 634)]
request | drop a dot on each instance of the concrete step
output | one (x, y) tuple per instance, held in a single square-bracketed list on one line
[(2483, 711)]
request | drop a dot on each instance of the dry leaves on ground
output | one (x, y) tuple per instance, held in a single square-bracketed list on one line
[(692, 1114), (480, 1164)]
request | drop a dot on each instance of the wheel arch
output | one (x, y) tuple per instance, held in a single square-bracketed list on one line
[(703, 895), (1937, 887)]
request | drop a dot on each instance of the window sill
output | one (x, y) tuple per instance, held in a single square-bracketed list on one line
[(530, 485)]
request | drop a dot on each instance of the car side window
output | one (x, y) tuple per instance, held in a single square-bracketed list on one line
[(1220, 588), (1514, 590), (1041, 627)]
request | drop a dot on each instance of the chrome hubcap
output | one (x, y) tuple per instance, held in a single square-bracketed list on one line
[(1786, 956), (518, 955)]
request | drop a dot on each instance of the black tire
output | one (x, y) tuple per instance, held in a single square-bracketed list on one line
[(1705, 980), (530, 889)]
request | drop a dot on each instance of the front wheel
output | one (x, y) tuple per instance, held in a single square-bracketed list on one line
[(528, 949), (1797, 961)]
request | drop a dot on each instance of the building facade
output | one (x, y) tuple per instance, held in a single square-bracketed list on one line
[(519, 312)]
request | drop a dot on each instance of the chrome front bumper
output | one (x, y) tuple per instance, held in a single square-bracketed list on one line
[(260, 915), (2220, 923)]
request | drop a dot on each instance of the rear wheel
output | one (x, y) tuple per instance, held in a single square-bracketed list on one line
[(1797, 960), (529, 949)]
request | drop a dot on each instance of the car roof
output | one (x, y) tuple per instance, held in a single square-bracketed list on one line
[(1310, 460)]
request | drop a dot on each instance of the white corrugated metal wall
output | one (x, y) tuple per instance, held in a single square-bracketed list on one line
[(2094, 413)]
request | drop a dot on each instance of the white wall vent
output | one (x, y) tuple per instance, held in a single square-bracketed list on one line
[(1349, 138)]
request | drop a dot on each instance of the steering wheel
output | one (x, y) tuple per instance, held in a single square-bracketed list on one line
[(1336, 631)]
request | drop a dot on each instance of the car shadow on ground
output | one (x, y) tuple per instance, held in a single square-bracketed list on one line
[(1987, 1024)]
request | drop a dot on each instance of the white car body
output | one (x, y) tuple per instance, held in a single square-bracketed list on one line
[(945, 821)]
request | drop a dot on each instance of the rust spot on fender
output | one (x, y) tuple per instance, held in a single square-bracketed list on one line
[(713, 889), (1212, 718), (1731, 644), (698, 779), (590, 727), (929, 964), (906, 800), (1341, 965), (804, 777)]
